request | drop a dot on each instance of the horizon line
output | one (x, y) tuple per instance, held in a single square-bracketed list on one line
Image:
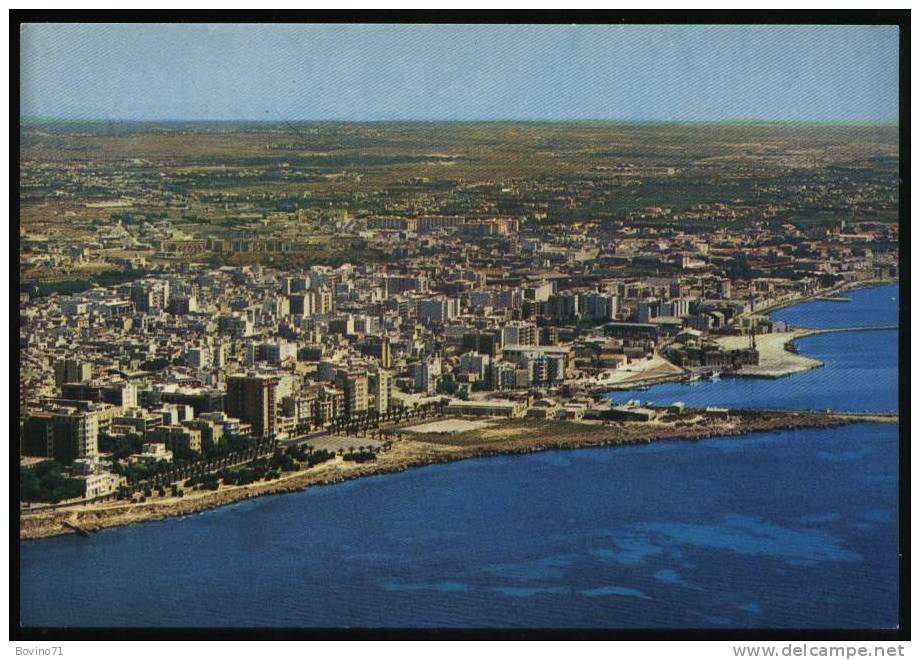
[(839, 122)]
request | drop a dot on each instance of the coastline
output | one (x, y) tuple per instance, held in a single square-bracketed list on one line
[(824, 293), (518, 436), (498, 437), (776, 360)]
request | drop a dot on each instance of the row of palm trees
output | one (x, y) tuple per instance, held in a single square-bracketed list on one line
[(386, 445), (202, 466), (363, 422)]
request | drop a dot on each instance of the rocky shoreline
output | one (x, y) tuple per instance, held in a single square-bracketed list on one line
[(512, 437)]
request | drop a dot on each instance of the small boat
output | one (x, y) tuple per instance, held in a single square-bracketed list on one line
[(715, 375)]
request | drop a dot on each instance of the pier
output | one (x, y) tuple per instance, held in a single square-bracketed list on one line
[(854, 416), (854, 328), (75, 527)]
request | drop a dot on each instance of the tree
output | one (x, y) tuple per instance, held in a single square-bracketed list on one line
[(43, 468), (30, 488), (120, 446), (45, 482)]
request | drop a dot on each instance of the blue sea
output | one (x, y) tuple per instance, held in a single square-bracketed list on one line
[(782, 529), (860, 371)]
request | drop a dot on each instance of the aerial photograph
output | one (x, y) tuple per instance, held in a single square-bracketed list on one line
[(405, 326)]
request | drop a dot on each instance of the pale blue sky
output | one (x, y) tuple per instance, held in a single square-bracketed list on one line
[(461, 72)]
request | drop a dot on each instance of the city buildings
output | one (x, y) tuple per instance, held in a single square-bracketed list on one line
[(510, 297), (252, 399)]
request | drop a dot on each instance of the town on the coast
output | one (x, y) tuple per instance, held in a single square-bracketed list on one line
[(200, 324)]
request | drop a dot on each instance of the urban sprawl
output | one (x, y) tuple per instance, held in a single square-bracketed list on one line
[(192, 323)]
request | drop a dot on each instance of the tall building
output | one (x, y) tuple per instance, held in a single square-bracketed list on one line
[(150, 295), (476, 364), (330, 404), (300, 407), (323, 301), (235, 325), (183, 304), (563, 306), (201, 400), (502, 375), (438, 310), (487, 342), (293, 284), (38, 435), (407, 310), (517, 333), (63, 434), (354, 386), (509, 298), (549, 336), (342, 325), (378, 347), (382, 386), (180, 440), (220, 353), (396, 284), (252, 399), (677, 307), (72, 371), (301, 304), (648, 309), (76, 435), (276, 352), (118, 394), (599, 306), (426, 375)]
